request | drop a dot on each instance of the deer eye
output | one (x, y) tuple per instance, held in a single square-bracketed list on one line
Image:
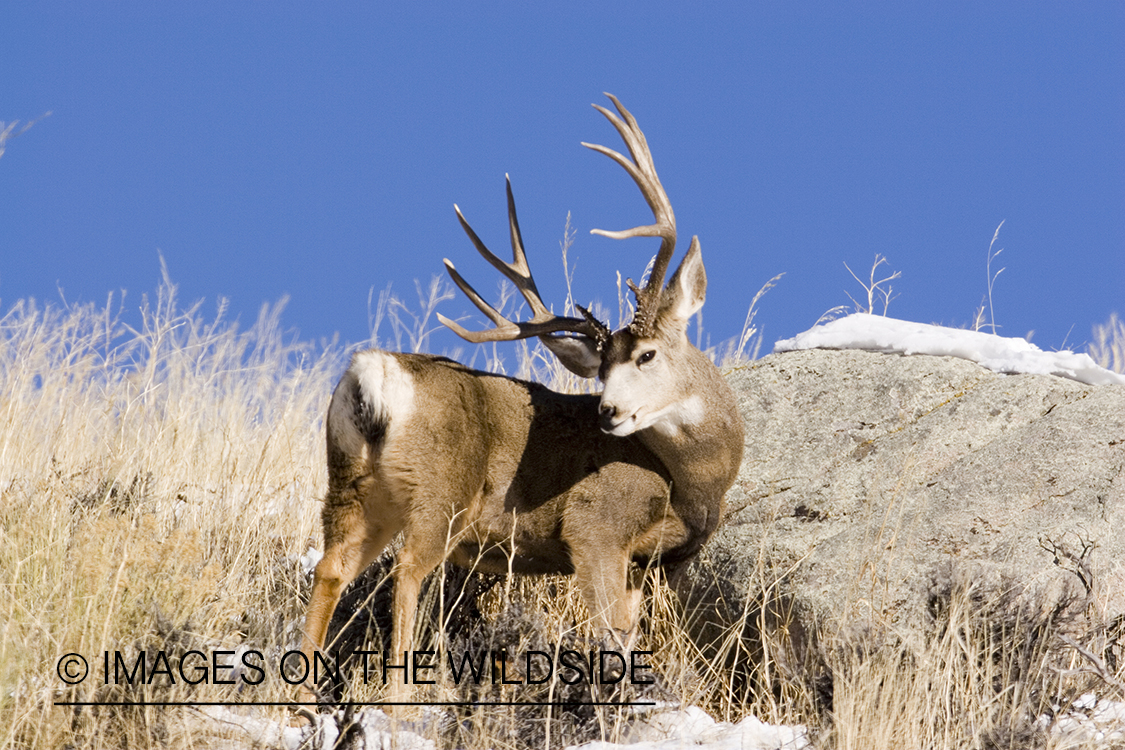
[(646, 357)]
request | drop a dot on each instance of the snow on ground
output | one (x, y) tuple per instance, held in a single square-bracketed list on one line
[(669, 729), (692, 727), (309, 560), (1090, 719), (377, 729), (875, 333)]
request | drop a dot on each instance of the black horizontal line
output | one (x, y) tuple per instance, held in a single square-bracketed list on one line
[(352, 704)]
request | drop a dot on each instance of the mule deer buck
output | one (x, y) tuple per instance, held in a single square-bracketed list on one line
[(503, 475)]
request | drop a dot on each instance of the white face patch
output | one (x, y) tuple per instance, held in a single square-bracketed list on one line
[(648, 395), (668, 421), (673, 418)]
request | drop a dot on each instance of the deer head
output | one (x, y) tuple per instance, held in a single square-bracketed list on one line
[(649, 367)]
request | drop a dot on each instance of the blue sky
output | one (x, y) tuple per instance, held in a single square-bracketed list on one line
[(316, 150)]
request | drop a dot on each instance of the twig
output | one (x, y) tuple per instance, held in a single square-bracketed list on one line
[(1098, 665)]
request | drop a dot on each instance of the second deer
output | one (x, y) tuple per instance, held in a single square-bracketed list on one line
[(504, 475)]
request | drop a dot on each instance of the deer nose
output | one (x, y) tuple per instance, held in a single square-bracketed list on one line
[(606, 414)]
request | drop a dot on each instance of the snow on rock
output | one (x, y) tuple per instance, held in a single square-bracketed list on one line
[(997, 353), (693, 727)]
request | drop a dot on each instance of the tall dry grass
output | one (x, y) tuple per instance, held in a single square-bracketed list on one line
[(1108, 346), (160, 473), (159, 481)]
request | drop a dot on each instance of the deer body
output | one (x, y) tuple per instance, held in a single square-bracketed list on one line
[(503, 475)]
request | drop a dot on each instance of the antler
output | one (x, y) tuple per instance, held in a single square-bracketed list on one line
[(543, 322), (643, 172)]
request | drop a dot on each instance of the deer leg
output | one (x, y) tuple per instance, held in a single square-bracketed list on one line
[(425, 548), (602, 576), (353, 538), (634, 595)]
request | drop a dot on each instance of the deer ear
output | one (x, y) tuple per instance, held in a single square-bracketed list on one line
[(579, 354), (687, 290)]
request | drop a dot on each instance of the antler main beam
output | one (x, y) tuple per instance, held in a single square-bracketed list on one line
[(543, 322), (643, 172)]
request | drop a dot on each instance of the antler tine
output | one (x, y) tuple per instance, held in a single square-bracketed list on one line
[(543, 321), (643, 172), (518, 272)]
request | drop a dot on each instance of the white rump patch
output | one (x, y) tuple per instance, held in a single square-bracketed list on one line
[(387, 390), (385, 385)]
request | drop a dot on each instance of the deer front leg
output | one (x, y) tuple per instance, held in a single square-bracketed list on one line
[(634, 595), (603, 575)]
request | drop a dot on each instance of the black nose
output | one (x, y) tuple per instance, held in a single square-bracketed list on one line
[(606, 413)]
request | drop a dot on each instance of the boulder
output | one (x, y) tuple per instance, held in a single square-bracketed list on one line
[(869, 479)]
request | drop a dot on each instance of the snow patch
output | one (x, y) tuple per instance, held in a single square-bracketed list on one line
[(309, 560), (374, 726), (1089, 719), (693, 727), (1001, 354), (241, 729), (663, 730)]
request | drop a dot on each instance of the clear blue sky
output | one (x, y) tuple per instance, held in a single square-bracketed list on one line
[(316, 150)]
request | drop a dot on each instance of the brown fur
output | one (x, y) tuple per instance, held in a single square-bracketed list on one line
[(508, 476)]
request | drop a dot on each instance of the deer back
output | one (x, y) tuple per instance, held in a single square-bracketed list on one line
[(508, 467)]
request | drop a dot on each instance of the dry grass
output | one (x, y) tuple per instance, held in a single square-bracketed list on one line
[(160, 482), (1108, 348), (992, 670)]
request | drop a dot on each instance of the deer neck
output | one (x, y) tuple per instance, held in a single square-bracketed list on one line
[(702, 450)]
